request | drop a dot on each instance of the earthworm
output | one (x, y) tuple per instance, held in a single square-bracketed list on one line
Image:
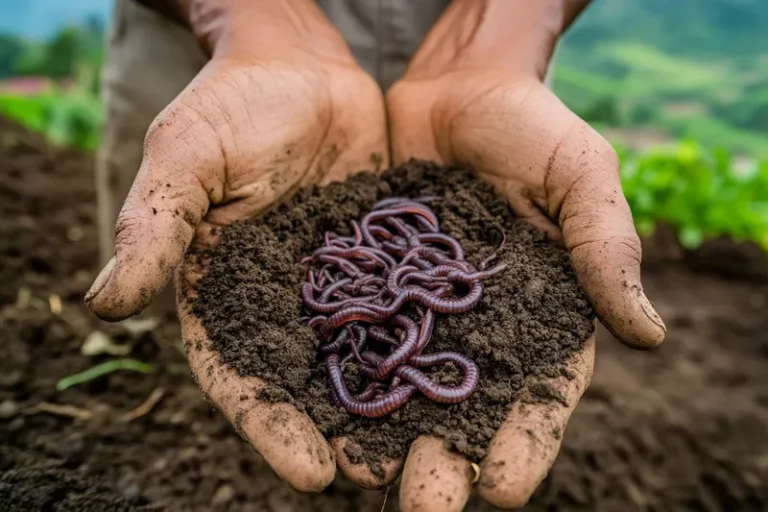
[(403, 351), (345, 266), (376, 407), (391, 212), (369, 392), (326, 307), (412, 293), (336, 344), (380, 232), (359, 288), (451, 243), (380, 334), (393, 201), (495, 253), (330, 290), (432, 390), (356, 345)]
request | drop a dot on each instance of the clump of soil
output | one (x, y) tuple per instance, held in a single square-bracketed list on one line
[(28, 483), (532, 317)]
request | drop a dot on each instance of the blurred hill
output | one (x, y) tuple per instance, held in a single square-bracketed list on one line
[(688, 68)]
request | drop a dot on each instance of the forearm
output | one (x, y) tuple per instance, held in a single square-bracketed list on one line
[(514, 35), (265, 27)]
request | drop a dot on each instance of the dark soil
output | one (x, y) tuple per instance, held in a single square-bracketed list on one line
[(682, 428), (532, 317)]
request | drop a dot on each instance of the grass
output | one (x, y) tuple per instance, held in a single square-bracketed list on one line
[(103, 369)]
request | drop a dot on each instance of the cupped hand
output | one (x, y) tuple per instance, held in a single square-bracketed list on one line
[(246, 133), (563, 177)]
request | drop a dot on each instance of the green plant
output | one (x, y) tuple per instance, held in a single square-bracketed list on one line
[(104, 369), (698, 192), (70, 119)]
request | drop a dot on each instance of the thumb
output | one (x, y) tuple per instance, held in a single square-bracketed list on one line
[(158, 220), (583, 182)]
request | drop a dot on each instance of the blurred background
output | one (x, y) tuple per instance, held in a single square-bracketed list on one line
[(679, 86), (97, 416)]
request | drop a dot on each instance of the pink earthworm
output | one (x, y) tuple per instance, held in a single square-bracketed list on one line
[(357, 288), (377, 407)]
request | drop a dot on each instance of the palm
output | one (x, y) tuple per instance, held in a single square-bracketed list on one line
[(256, 132)]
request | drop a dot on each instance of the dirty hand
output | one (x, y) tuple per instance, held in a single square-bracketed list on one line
[(474, 95), (280, 105)]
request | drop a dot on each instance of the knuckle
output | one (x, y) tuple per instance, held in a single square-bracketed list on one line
[(125, 226), (604, 156), (171, 123), (158, 130)]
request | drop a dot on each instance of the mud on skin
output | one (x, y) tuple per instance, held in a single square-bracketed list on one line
[(531, 319)]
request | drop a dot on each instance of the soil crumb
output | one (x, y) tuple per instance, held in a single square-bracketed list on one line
[(33, 484), (532, 317)]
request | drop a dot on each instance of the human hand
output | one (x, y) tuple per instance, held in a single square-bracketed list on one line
[(281, 105), (465, 100)]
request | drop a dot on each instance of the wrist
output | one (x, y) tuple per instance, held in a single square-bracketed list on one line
[(513, 36), (265, 29)]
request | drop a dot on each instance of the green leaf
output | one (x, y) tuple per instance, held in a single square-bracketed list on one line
[(104, 369)]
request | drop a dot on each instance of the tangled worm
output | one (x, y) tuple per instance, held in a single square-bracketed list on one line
[(358, 288)]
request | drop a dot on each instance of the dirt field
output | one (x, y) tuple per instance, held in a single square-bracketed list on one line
[(681, 428)]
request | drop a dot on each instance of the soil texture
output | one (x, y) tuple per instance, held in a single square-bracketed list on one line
[(532, 317), (681, 428)]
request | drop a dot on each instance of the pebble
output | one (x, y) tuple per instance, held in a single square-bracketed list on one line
[(8, 409), (10, 379), (223, 495)]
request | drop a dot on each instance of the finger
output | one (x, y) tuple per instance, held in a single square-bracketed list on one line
[(524, 448), (361, 473), (158, 220), (434, 479), (586, 198), (285, 437)]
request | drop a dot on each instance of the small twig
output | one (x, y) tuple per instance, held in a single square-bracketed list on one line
[(23, 297), (476, 469), (386, 495), (69, 411), (142, 410), (54, 302), (103, 369)]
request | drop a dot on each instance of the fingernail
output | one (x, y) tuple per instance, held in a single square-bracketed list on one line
[(101, 280), (650, 312)]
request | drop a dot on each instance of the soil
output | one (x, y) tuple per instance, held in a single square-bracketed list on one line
[(532, 317), (681, 428)]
